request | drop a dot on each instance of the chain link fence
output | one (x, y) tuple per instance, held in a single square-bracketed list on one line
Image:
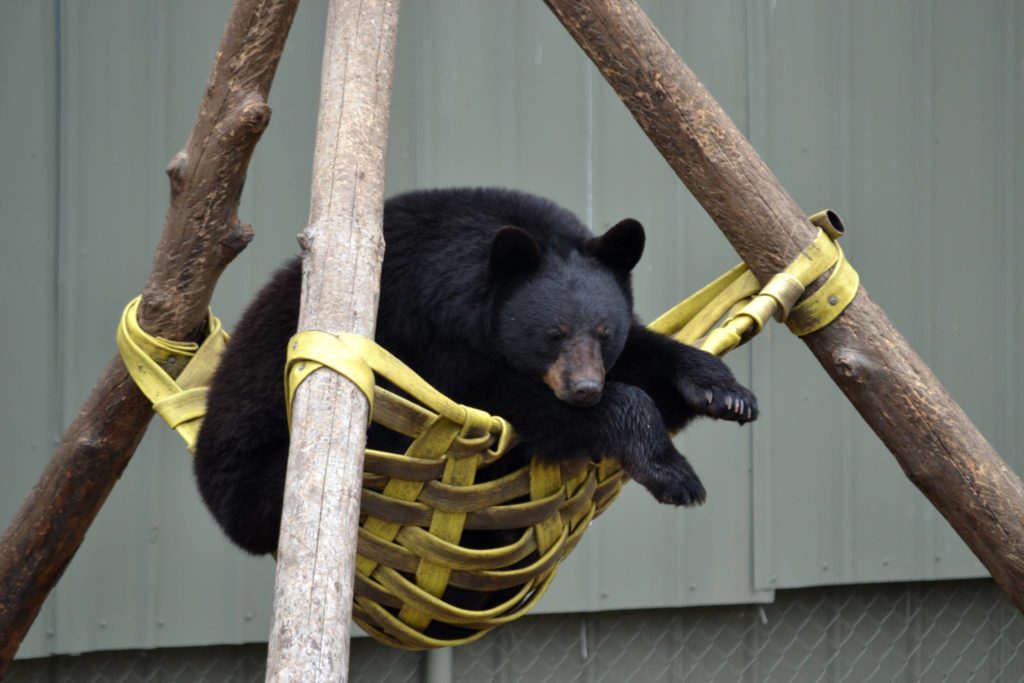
[(954, 631)]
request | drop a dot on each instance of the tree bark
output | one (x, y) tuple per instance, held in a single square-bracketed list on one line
[(201, 235), (343, 249), (934, 441)]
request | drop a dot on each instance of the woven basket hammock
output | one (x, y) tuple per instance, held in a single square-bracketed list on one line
[(417, 505)]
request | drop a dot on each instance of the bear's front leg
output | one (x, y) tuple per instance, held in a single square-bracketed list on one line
[(684, 381), (625, 424), (640, 439)]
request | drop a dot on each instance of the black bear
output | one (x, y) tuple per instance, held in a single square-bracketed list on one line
[(503, 301)]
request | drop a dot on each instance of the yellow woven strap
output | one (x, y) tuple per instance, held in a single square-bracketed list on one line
[(738, 296), (358, 358), (447, 526), (182, 402), (546, 480), (431, 444)]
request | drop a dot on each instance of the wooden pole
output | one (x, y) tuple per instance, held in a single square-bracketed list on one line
[(934, 441), (343, 249), (201, 235)]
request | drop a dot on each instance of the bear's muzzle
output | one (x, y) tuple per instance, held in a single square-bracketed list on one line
[(577, 375)]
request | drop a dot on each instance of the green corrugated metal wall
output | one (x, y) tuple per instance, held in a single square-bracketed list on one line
[(904, 117)]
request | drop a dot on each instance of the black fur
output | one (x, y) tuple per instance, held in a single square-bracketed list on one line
[(483, 320)]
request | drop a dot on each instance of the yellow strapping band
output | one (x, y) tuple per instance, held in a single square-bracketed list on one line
[(182, 402), (747, 306), (358, 358), (310, 351), (823, 306)]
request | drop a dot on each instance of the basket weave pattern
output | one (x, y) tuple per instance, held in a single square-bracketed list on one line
[(416, 507)]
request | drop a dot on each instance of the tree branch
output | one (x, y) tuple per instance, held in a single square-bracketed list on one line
[(201, 235), (939, 448), (343, 251)]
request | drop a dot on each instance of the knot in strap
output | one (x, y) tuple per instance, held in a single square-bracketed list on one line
[(148, 359), (828, 301), (738, 297), (344, 353)]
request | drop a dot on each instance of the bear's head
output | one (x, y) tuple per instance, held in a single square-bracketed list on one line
[(563, 317)]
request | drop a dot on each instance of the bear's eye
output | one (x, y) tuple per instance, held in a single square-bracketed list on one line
[(603, 333), (556, 333)]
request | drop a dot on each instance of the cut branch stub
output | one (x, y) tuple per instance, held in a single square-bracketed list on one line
[(206, 186)]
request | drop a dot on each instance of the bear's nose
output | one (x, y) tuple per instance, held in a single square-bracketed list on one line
[(586, 392)]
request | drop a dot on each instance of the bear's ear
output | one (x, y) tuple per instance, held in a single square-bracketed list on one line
[(621, 247), (513, 252)]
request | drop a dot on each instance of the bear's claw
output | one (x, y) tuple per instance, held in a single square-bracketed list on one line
[(724, 400)]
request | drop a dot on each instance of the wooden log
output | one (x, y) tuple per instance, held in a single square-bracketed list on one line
[(934, 441), (343, 249), (201, 235)]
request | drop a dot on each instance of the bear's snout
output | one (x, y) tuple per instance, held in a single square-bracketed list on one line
[(577, 375), (587, 392)]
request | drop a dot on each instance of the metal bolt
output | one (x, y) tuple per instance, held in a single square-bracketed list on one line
[(103, 623), (50, 632), (160, 622), (247, 616), (172, 360), (833, 300), (824, 566), (302, 366), (693, 586), (885, 561)]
